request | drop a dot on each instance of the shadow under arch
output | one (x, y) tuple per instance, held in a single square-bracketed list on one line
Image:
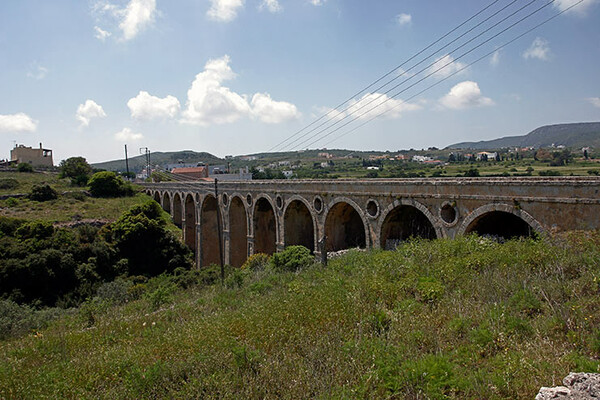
[(345, 227), (177, 210), (502, 221), (166, 202), (403, 220), (189, 233), (238, 232), (265, 226), (209, 237), (298, 224)]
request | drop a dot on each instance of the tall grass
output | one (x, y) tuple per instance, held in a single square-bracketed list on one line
[(464, 318)]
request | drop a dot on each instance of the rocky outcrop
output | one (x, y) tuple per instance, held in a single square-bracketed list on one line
[(577, 386)]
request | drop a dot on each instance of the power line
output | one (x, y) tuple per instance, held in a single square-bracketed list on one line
[(354, 117), (354, 112), (389, 73), (404, 72), (460, 70)]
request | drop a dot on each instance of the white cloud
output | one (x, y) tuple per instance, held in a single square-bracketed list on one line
[(133, 19), (369, 106), (136, 17), (445, 66), (127, 135), (539, 49), (495, 60), (209, 102), (403, 19), (317, 2), (19, 122), (580, 9), (271, 5), (101, 34), (224, 10), (465, 95), (37, 72), (90, 109), (145, 106), (270, 111), (595, 101)]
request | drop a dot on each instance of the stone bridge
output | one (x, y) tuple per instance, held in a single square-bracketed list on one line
[(267, 216)]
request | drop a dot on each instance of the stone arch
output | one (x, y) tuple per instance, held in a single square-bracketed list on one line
[(209, 236), (189, 229), (502, 220), (345, 226), (177, 210), (166, 202), (238, 231), (298, 223), (157, 197), (404, 219), (264, 224)]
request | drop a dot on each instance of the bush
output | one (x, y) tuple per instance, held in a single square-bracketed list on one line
[(24, 167), (292, 259), (116, 292), (42, 193), (8, 183), (76, 168), (256, 262), (108, 184)]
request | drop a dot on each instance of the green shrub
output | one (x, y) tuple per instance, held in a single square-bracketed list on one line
[(525, 302), (8, 183), (24, 167), (256, 262), (42, 193), (429, 289), (77, 169), (161, 295), (35, 230), (108, 184), (12, 202), (115, 292), (293, 258)]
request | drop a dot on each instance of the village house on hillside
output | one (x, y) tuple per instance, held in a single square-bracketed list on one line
[(36, 157)]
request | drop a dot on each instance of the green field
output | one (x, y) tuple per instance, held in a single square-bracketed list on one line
[(72, 204), (446, 319)]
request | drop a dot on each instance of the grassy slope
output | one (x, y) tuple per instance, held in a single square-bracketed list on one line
[(64, 209), (467, 318)]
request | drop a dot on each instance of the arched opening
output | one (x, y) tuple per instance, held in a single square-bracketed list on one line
[(189, 233), (344, 228), (402, 223), (264, 227), (209, 232), (157, 197), (500, 225), (177, 212), (238, 233), (166, 203), (298, 226)]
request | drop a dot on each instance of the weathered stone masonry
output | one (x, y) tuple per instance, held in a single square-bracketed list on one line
[(266, 216)]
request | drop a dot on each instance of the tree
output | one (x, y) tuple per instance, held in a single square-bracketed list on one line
[(76, 168), (108, 184)]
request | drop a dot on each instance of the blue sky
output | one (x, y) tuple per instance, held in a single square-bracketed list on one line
[(239, 76)]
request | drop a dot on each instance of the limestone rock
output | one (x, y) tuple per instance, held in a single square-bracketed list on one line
[(577, 386)]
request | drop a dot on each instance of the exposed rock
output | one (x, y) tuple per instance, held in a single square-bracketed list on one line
[(577, 386)]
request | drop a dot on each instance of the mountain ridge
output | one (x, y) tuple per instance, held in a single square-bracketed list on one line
[(579, 134)]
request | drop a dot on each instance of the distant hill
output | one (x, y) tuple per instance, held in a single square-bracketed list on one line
[(137, 163), (569, 135)]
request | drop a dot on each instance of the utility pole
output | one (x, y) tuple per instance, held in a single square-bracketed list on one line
[(219, 233), (126, 162), (147, 152)]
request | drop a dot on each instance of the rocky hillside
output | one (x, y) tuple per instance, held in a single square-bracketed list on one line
[(137, 163)]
